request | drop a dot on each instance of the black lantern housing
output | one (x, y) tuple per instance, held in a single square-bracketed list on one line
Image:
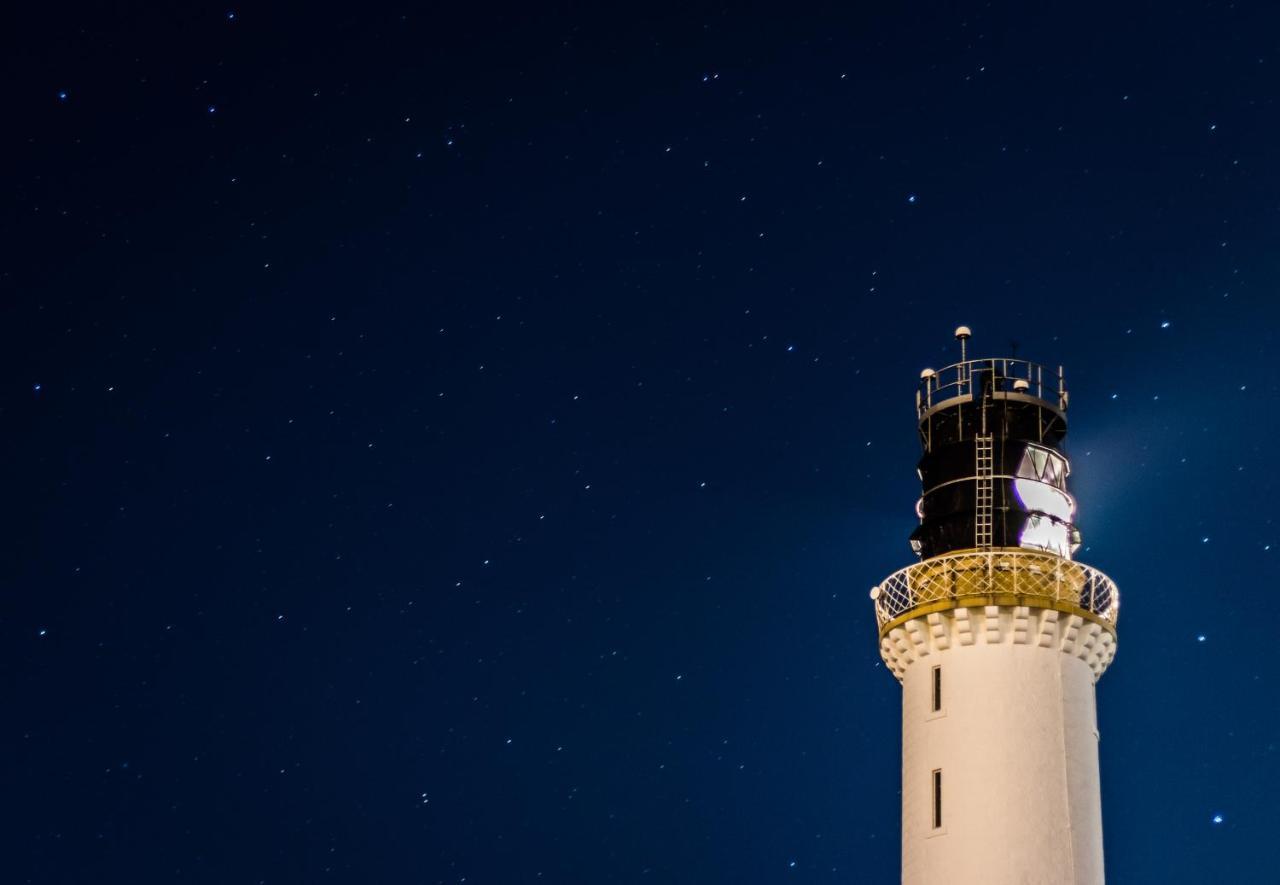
[(993, 472)]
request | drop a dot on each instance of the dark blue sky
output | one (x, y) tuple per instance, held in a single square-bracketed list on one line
[(457, 446)]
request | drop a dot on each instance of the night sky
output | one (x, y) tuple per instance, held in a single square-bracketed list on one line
[(456, 447)]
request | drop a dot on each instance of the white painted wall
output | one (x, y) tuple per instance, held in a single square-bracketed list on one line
[(1017, 745)]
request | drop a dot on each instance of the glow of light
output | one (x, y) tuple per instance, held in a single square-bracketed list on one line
[(1217, 818), (1042, 533), (1040, 497)]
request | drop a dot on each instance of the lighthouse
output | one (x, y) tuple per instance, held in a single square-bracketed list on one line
[(998, 637)]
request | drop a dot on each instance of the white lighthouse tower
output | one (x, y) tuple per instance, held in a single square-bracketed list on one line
[(998, 638)]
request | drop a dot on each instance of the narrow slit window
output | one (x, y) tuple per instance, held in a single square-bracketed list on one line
[(937, 798), (937, 689)]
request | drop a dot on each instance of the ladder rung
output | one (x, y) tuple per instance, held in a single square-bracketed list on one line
[(984, 467)]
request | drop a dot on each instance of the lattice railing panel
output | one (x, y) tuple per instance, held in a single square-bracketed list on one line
[(1001, 572)]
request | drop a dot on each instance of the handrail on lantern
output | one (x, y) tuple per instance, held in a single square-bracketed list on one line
[(1008, 376)]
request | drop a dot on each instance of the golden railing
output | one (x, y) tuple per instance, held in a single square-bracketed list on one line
[(1001, 576)]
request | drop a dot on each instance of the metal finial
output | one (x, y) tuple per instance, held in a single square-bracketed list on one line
[(962, 335)]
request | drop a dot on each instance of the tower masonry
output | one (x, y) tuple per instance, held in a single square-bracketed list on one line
[(998, 637)]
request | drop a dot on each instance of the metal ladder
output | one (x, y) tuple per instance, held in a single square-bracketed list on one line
[(984, 467)]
